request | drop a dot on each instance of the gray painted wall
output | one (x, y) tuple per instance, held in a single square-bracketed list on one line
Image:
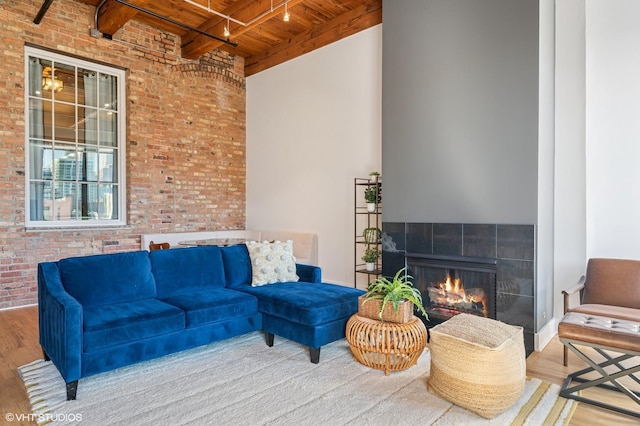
[(460, 111)]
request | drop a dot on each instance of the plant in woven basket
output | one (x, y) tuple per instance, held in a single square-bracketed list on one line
[(395, 291)]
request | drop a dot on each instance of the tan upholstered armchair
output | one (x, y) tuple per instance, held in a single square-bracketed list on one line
[(610, 288), (603, 330)]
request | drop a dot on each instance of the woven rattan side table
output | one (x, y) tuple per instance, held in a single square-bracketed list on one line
[(386, 346)]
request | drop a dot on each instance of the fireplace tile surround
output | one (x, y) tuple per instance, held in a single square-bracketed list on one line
[(513, 247)]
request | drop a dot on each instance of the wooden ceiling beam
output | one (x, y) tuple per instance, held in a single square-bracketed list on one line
[(343, 26), (195, 45), (113, 15)]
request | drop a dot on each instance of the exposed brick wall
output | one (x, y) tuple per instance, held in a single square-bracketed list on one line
[(185, 139)]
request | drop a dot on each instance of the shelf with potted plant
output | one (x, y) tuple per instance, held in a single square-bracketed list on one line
[(371, 235), (370, 258), (367, 223)]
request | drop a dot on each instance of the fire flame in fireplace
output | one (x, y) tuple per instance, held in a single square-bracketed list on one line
[(451, 293)]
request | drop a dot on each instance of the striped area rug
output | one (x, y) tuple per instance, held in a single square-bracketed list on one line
[(242, 381)]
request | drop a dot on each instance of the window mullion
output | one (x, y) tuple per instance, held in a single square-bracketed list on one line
[(72, 126)]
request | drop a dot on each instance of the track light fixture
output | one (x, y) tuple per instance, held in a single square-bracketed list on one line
[(227, 28)]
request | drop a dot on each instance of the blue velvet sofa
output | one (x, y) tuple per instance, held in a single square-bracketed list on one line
[(101, 312)]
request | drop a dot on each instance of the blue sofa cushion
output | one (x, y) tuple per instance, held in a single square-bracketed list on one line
[(127, 322), (213, 304), (106, 279), (306, 303), (181, 270), (237, 265)]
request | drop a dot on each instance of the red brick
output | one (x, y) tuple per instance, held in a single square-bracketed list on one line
[(185, 129)]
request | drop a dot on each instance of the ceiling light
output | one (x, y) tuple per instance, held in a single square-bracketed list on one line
[(264, 14), (227, 33), (49, 82)]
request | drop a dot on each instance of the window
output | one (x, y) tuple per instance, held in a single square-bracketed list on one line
[(75, 143)]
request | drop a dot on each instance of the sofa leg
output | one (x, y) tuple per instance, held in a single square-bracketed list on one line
[(72, 389), (269, 338), (45, 356), (314, 355)]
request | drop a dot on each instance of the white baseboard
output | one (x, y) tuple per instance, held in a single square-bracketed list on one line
[(544, 336), (18, 307)]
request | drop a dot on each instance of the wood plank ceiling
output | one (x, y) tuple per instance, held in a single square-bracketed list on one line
[(257, 29)]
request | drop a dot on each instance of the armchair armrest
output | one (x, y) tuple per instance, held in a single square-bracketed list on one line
[(309, 273), (579, 287), (60, 322)]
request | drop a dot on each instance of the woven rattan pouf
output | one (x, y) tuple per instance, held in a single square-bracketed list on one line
[(477, 363), (386, 346)]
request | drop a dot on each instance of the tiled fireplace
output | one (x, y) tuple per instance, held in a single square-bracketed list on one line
[(494, 262), (454, 284)]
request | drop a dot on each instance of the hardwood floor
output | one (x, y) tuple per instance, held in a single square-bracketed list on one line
[(547, 365), (19, 345)]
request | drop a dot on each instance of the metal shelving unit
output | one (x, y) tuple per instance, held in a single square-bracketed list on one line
[(363, 219)]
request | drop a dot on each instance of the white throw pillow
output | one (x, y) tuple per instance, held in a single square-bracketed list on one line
[(272, 262)]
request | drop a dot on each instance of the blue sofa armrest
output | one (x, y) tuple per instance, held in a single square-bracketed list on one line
[(60, 322), (309, 273)]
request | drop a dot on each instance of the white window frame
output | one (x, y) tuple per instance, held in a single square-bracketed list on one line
[(120, 145)]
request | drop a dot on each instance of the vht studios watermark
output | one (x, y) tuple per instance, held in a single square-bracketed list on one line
[(43, 418)]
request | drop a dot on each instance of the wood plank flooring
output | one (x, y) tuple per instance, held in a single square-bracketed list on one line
[(19, 345)]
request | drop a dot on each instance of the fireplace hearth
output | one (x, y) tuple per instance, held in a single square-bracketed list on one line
[(507, 248), (451, 285)]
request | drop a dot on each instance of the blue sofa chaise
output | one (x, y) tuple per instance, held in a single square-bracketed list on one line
[(101, 312)]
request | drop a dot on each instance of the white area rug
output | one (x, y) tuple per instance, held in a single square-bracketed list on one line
[(242, 381)]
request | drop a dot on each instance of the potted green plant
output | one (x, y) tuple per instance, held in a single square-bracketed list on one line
[(371, 235), (370, 257), (391, 300), (373, 176), (372, 198)]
